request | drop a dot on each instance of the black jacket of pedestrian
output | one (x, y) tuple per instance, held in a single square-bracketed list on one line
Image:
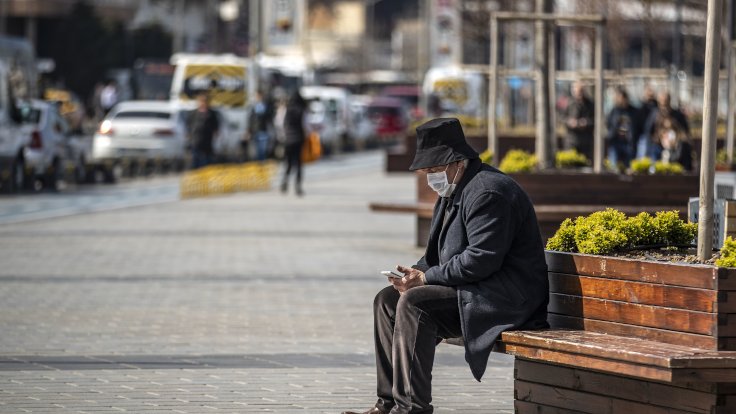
[(620, 124), (294, 120), (491, 251), (203, 125), (646, 110)]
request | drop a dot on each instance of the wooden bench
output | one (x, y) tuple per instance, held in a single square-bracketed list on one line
[(629, 336)]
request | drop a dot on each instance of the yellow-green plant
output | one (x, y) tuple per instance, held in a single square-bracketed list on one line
[(610, 230), (672, 168), (486, 156), (518, 161), (570, 159), (722, 156), (728, 253), (641, 165)]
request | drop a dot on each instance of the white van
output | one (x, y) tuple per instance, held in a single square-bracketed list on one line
[(230, 81), (457, 91), (329, 114)]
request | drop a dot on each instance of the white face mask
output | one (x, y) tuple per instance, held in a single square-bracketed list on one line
[(438, 182)]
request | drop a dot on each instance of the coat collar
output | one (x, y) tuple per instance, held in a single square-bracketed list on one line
[(474, 166)]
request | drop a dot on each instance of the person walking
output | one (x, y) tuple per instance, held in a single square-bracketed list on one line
[(108, 97), (259, 122), (203, 126), (620, 134), (579, 122), (294, 136), (483, 272)]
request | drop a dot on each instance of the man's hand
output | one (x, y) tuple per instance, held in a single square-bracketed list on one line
[(412, 278)]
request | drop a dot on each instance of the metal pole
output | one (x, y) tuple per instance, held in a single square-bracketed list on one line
[(552, 84), (541, 87), (492, 92), (710, 112), (598, 121), (730, 83), (731, 102)]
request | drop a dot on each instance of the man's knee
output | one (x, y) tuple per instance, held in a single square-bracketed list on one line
[(386, 299)]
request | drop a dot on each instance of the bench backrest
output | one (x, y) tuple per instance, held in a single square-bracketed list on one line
[(691, 305)]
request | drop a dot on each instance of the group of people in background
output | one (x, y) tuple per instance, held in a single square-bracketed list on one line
[(654, 129)]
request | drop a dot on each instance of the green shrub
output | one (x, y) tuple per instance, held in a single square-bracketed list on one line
[(641, 165), (728, 253), (570, 159), (672, 168), (671, 230), (486, 156), (607, 231), (518, 161), (601, 232), (564, 238)]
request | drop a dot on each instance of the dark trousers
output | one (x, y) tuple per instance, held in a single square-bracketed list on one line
[(293, 155), (407, 329), (200, 159)]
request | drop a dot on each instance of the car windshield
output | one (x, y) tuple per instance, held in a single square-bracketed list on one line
[(142, 115)]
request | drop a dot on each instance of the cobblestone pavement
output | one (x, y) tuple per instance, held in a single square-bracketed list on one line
[(254, 302)]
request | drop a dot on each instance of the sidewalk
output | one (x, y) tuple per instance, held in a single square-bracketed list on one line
[(254, 302)]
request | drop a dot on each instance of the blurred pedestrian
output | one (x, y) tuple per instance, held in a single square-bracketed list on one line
[(259, 123), (294, 136), (648, 107), (579, 122), (669, 133), (203, 125), (108, 96), (483, 272), (620, 131)]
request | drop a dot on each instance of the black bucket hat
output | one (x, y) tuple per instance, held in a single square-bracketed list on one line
[(441, 141)]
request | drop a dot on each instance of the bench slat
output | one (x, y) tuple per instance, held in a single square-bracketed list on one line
[(524, 407), (634, 292), (634, 314), (580, 401), (620, 348)]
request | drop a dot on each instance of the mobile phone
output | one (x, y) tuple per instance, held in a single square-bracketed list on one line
[(392, 273)]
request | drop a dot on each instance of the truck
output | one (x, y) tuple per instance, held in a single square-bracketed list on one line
[(230, 82), (14, 175)]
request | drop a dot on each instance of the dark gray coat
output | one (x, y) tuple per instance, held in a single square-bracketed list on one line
[(491, 251)]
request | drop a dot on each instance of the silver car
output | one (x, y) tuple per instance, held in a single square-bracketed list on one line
[(139, 132)]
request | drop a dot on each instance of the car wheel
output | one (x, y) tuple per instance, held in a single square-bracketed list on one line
[(82, 174), (18, 179), (113, 173), (53, 176)]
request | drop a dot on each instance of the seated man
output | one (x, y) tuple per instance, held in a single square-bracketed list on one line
[(483, 272)]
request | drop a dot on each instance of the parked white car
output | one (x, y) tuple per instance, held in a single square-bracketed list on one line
[(139, 131), (13, 174), (46, 154)]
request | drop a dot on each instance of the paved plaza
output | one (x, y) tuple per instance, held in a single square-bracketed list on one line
[(244, 303)]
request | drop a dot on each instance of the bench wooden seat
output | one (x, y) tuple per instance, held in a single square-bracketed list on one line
[(632, 357)]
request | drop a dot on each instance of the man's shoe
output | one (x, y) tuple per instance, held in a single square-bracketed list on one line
[(373, 410)]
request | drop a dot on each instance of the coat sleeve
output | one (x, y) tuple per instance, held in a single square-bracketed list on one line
[(489, 225)]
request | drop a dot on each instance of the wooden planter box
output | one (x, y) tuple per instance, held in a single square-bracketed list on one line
[(686, 304), (630, 336)]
